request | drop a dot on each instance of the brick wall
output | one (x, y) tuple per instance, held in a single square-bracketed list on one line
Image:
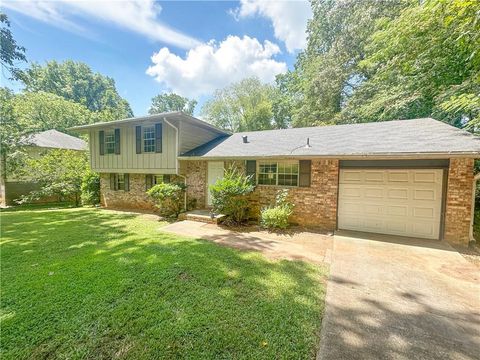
[(315, 206), (135, 198), (459, 201), (196, 175)]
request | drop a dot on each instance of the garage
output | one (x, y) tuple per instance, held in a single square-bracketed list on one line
[(405, 202)]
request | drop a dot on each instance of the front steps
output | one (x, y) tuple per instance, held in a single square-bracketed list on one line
[(203, 215)]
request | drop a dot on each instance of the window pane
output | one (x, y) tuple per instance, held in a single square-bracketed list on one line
[(149, 139), (120, 181), (109, 142), (158, 179)]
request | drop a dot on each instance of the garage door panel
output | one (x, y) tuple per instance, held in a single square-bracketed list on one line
[(402, 202)]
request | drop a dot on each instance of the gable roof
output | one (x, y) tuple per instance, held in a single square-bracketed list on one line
[(55, 139), (389, 138), (174, 116)]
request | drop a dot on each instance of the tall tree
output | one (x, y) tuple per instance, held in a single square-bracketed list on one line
[(75, 81), (171, 102), (327, 73), (243, 106), (426, 62), (10, 51)]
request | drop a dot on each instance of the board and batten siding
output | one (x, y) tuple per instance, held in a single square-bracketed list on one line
[(128, 161)]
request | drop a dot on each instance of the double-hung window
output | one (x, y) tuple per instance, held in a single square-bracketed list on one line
[(109, 142), (120, 182), (282, 173), (149, 139)]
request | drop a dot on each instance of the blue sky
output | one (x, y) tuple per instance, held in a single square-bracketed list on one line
[(147, 47)]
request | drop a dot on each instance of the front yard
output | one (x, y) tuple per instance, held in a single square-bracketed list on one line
[(88, 283)]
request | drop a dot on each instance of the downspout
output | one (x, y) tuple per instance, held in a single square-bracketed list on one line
[(474, 188), (176, 161)]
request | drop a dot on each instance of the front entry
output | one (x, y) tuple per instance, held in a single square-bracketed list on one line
[(215, 172)]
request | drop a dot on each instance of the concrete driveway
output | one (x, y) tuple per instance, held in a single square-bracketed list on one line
[(396, 298)]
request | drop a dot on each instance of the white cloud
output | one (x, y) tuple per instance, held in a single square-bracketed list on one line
[(135, 15), (289, 19), (213, 65)]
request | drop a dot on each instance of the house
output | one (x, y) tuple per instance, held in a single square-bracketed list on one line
[(411, 177), (35, 145)]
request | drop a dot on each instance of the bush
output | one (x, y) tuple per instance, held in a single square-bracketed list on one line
[(90, 188), (229, 195), (276, 217), (168, 198)]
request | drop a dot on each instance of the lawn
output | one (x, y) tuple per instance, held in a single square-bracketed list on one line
[(91, 283)]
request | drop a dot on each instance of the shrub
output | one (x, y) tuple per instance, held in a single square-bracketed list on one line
[(90, 188), (229, 195), (168, 198), (277, 216)]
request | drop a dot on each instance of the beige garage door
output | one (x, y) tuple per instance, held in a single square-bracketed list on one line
[(398, 202)]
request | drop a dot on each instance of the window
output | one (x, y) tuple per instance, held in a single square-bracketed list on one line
[(120, 182), (149, 139), (283, 173), (157, 179), (109, 142)]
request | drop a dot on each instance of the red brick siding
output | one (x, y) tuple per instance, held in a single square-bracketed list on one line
[(459, 201)]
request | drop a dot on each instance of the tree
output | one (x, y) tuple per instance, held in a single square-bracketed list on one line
[(10, 51), (171, 102), (59, 173), (243, 106), (326, 73), (75, 81), (38, 111), (426, 62)]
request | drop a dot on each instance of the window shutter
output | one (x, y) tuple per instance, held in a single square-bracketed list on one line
[(305, 176), (252, 170), (112, 182), (117, 141), (101, 141), (167, 178), (158, 138), (138, 138), (148, 181), (127, 182)]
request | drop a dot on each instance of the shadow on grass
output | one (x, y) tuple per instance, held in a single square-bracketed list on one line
[(92, 283)]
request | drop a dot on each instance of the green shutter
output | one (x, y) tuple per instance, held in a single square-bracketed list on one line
[(251, 167), (148, 181), (112, 182), (127, 182), (138, 139), (158, 138), (167, 178), (117, 141), (101, 141), (305, 176)]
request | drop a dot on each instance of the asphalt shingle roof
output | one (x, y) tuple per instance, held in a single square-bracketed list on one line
[(55, 139), (399, 137)]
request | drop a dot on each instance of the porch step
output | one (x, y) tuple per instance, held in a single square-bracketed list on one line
[(204, 216)]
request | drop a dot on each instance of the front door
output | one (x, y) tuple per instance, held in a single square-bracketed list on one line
[(215, 172)]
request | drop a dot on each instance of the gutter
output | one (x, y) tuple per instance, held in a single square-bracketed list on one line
[(176, 161), (472, 220)]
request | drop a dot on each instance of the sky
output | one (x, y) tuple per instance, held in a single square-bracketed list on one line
[(150, 47)]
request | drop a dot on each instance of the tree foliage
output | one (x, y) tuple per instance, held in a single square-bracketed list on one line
[(243, 106), (75, 81), (60, 173), (171, 102), (426, 62), (327, 72), (10, 52)]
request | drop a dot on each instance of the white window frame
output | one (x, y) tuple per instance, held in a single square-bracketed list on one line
[(277, 163), (120, 182), (109, 142), (150, 147)]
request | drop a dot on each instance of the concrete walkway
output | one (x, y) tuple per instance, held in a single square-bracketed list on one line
[(295, 245), (395, 298)]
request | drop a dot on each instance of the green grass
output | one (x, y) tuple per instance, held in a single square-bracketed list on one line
[(93, 284)]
